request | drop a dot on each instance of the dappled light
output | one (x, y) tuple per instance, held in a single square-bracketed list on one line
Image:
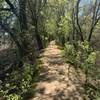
[(49, 49), (58, 80)]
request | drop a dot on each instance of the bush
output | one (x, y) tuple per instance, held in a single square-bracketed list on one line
[(70, 53), (13, 97), (82, 56), (19, 82)]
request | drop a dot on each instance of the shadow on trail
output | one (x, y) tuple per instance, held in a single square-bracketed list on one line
[(57, 80)]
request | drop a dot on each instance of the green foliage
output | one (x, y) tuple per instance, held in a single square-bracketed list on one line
[(4, 92), (57, 3), (50, 26), (98, 98), (53, 20), (87, 55), (14, 90), (82, 56), (64, 29), (92, 91), (13, 97), (70, 53)]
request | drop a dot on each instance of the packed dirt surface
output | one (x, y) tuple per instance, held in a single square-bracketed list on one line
[(58, 80)]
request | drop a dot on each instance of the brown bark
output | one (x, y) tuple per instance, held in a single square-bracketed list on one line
[(95, 19), (77, 20)]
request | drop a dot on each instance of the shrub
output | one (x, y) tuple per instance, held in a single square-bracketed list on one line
[(70, 53), (82, 56), (19, 85)]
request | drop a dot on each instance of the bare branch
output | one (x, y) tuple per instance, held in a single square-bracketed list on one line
[(95, 19), (12, 7), (77, 19), (5, 9)]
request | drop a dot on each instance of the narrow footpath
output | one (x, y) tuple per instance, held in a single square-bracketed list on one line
[(58, 80)]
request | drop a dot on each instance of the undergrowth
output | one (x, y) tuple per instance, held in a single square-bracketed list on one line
[(83, 56), (18, 85)]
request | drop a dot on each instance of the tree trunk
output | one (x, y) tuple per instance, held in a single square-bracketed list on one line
[(77, 20), (25, 35), (22, 15), (39, 40)]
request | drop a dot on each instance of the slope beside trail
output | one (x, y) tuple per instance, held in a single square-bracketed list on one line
[(58, 80)]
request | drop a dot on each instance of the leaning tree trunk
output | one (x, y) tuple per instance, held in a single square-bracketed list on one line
[(25, 35)]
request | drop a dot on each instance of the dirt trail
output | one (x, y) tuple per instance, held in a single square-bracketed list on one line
[(58, 80)]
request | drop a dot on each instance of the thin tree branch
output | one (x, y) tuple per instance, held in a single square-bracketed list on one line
[(5, 9), (95, 19), (77, 20), (12, 7)]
